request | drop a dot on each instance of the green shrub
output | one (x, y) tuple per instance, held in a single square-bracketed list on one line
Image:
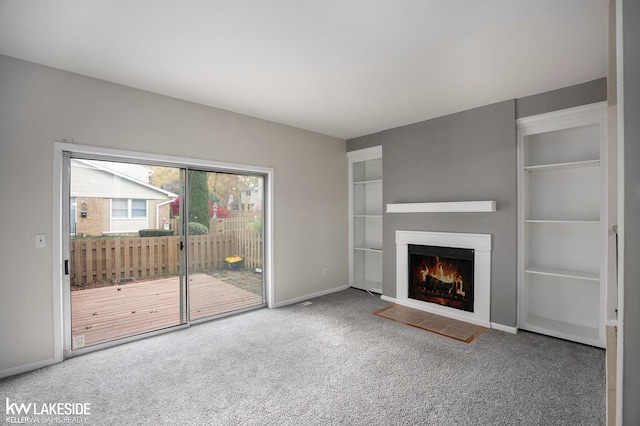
[(256, 224), (155, 232), (199, 198), (196, 228)]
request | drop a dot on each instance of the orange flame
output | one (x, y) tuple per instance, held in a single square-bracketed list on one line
[(446, 273)]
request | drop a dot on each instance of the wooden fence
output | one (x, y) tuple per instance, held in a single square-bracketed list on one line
[(237, 222), (110, 260)]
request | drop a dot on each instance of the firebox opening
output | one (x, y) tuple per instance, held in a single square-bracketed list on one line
[(442, 275)]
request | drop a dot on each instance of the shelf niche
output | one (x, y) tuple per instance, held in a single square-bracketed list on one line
[(365, 219), (562, 224)]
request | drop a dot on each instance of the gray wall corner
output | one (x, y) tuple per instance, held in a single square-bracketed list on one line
[(367, 141), (580, 94)]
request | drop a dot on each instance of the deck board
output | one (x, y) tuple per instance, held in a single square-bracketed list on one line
[(114, 312)]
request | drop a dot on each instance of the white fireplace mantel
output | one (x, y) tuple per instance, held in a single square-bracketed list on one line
[(444, 207)]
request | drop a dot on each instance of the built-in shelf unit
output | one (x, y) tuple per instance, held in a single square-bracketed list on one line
[(365, 219), (562, 224)]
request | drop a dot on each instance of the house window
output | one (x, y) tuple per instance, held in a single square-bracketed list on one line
[(138, 208), (73, 215), (122, 208)]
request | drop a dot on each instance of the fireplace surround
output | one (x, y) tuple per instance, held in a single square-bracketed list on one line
[(480, 247)]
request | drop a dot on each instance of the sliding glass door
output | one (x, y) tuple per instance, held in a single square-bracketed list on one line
[(125, 263), (152, 247), (225, 249)]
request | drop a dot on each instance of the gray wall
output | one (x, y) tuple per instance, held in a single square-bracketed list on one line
[(39, 105), (454, 158), (631, 315), (467, 156), (580, 94)]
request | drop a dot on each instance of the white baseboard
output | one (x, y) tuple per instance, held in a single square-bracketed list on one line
[(309, 296), (388, 299), (28, 367), (505, 328)]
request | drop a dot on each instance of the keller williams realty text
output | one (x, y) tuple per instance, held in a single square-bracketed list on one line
[(24, 420)]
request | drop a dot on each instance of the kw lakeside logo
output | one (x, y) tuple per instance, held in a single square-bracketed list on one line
[(47, 412)]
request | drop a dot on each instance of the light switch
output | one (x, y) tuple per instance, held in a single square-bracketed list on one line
[(41, 240)]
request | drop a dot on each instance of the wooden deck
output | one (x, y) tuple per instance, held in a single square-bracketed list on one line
[(108, 313)]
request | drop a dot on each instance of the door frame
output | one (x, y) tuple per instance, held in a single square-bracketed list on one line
[(61, 288)]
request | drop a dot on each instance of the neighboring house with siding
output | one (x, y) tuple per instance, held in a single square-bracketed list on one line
[(115, 198), (250, 200)]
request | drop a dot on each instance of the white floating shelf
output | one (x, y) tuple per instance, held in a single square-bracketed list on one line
[(445, 207)]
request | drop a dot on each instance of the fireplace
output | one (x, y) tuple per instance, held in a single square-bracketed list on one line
[(465, 294), (442, 275)]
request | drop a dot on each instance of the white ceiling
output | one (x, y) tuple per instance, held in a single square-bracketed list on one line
[(344, 68)]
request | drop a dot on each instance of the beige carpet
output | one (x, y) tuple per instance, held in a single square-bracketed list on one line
[(454, 329)]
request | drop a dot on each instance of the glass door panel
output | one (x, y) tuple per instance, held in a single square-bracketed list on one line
[(225, 244), (125, 258)]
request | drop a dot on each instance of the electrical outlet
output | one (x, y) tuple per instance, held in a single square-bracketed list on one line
[(325, 272), (41, 241)]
